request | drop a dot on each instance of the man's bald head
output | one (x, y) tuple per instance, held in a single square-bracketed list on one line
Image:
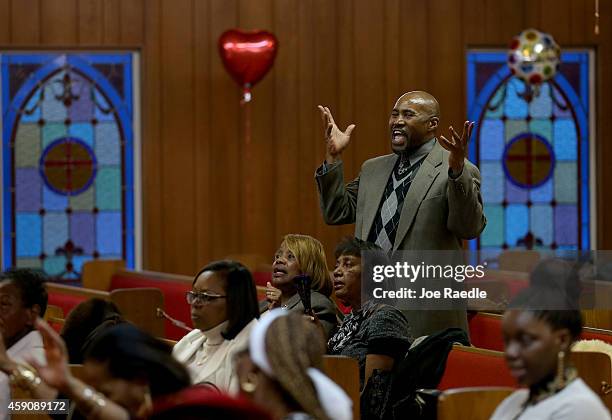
[(426, 101)]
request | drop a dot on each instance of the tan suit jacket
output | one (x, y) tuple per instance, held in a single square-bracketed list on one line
[(437, 214)]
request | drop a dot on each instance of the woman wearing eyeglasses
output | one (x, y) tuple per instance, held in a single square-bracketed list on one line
[(224, 308)]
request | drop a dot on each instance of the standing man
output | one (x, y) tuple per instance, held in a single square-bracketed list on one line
[(423, 196)]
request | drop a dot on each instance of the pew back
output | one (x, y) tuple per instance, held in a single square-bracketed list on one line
[(473, 367), (477, 403), (345, 372), (595, 369)]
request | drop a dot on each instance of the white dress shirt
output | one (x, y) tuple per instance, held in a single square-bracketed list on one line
[(574, 402), (30, 345), (209, 357)]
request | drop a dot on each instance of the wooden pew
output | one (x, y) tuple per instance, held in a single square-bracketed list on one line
[(137, 305), (54, 315), (477, 403), (595, 369), (522, 260), (486, 332), (107, 275), (474, 367), (345, 372)]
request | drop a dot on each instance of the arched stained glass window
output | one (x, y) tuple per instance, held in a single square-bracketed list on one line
[(533, 154), (68, 159)]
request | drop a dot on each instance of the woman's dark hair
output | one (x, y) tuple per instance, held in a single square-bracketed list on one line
[(85, 322), (242, 306), (350, 245), (31, 285), (552, 296), (132, 354)]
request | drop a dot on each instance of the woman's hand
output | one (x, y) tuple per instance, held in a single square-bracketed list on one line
[(273, 296), (56, 372), (314, 318)]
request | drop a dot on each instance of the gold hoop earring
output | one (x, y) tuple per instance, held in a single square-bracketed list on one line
[(250, 384), (561, 368)]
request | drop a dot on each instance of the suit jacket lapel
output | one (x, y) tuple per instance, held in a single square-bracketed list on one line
[(375, 189), (425, 176), (293, 301)]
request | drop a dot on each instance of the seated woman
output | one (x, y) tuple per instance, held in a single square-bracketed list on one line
[(85, 322), (281, 370), (127, 368), (375, 334), (23, 298), (301, 255), (539, 329), (224, 308)]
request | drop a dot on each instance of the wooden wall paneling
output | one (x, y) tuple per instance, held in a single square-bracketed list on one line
[(225, 197), (202, 50), (392, 43), (178, 187), (90, 24), (112, 21), (284, 192), (508, 21), (152, 123), (583, 23), (580, 21), (371, 111), (25, 22), (415, 49), (446, 64), (131, 18), (325, 91), (604, 126), (258, 157), (58, 22), (5, 22), (531, 13), (555, 18), (344, 111), (308, 120), (475, 20), (344, 114)]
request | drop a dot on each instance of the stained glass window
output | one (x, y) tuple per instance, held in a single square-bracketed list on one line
[(533, 154), (68, 155)]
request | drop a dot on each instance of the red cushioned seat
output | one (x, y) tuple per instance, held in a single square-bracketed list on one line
[(174, 298), (65, 301), (466, 368), (515, 286), (596, 334), (202, 402), (262, 277), (486, 332)]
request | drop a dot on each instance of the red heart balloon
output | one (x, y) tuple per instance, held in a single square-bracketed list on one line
[(247, 56)]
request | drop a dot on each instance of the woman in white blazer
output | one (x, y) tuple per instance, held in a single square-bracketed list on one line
[(224, 309)]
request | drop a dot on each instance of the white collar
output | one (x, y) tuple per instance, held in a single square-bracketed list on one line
[(213, 336)]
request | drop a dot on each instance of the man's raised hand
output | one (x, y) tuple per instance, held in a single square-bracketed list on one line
[(457, 146), (335, 139)]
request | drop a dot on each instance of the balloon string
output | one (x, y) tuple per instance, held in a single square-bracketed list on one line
[(248, 185)]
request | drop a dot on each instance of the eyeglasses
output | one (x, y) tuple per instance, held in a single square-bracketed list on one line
[(203, 297)]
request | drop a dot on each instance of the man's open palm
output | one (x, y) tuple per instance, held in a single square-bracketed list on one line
[(335, 139)]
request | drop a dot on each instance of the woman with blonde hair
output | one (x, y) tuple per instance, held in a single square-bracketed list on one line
[(282, 370), (301, 256)]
